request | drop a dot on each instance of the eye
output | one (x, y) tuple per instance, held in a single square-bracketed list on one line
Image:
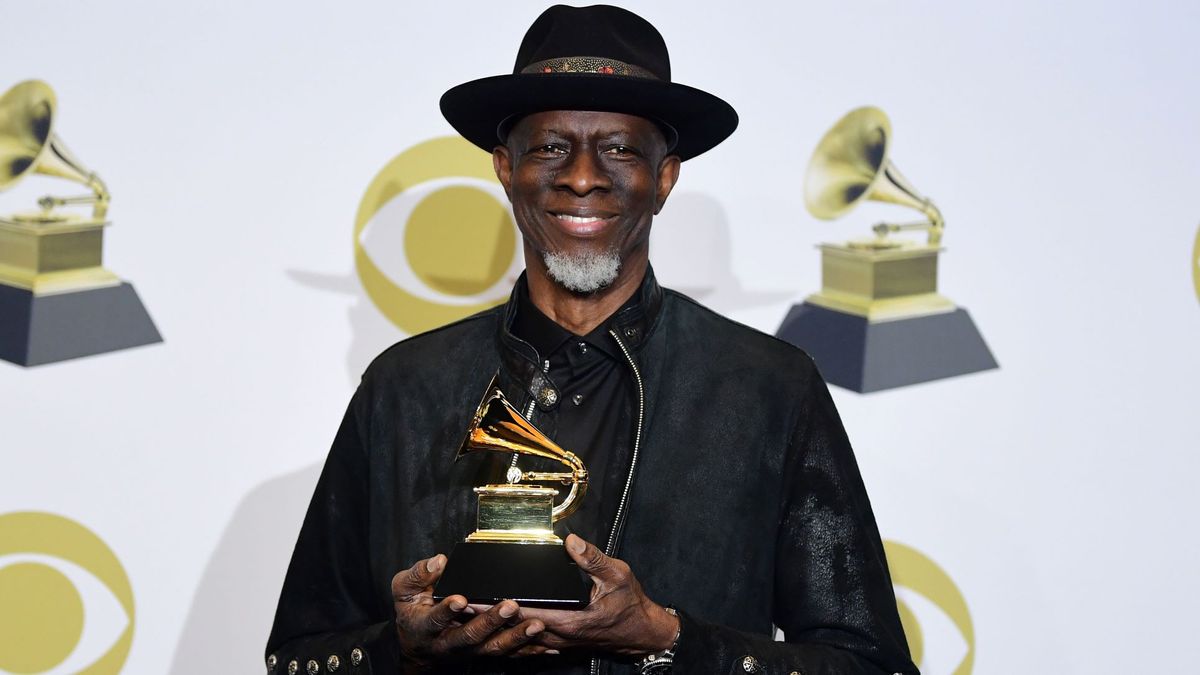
[(620, 151), (549, 150)]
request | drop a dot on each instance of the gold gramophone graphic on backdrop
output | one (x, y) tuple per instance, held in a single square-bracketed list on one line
[(878, 321), (514, 553), (57, 300)]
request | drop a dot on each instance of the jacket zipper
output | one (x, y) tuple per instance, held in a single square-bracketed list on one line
[(619, 521), (528, 418)]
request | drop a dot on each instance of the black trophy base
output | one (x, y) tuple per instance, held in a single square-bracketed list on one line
[(38, 329), (534, 575), (861, 356)]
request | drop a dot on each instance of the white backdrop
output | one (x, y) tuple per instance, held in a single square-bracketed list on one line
[(238, 138)]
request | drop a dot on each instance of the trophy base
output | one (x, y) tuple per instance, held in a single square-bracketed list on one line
[(534, 575), (39, 329), (858, 354)]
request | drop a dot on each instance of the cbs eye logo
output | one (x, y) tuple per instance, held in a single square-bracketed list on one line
[(936, 621), (434, 240), (66, 605)]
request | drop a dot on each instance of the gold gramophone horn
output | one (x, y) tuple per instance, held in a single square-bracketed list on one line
[(851, 164), (498, 427), (28, 145)]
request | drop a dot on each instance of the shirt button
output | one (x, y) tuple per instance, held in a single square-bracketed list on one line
[(583, 348), (577, 399)]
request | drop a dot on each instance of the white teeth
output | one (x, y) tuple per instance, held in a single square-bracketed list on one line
[(578, 219)]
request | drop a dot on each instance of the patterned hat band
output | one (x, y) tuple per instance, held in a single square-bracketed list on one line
[(588, 64)]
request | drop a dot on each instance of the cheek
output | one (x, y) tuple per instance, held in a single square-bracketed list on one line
[(639, 198)]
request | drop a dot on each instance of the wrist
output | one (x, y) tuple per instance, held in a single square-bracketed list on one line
[(660, 660), (666, 633)]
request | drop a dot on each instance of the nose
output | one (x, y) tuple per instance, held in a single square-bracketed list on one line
[(582, 173)]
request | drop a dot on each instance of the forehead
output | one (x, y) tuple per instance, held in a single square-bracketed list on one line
[(585, 123)]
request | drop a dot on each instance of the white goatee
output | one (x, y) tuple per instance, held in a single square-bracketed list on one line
[(583, 272)]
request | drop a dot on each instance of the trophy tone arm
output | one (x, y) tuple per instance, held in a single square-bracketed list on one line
[(99, 199)]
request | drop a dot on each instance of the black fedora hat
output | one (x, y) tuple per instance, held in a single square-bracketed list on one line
[(599, 58)]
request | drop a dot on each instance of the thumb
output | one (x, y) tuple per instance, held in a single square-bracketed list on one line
[(418, 578), (589, 558)]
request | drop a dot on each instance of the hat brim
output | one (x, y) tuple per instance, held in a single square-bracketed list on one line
[(476, 109)]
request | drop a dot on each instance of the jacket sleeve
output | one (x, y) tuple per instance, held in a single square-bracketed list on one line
[(330, 617), (833, 594)]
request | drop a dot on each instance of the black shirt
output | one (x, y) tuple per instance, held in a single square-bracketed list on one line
[(593, 416)]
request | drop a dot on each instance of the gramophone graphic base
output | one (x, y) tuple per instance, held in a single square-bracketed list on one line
[(534, 575), (856, 354), (39, 329)]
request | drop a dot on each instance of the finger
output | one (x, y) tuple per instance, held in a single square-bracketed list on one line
[(534, 650), (552, 641), (563, 628), (418, 578), (444, 615), (479, 628), (590, 559), (512, 640)]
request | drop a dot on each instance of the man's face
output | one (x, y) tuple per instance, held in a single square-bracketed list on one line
[(585, 187)]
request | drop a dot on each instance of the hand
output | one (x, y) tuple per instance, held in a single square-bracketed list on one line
[(620, 618), (448, 630)]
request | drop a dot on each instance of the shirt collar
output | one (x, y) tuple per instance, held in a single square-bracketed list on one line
[(634, 323), (547, 337)]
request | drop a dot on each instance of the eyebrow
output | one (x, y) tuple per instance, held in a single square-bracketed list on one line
[(602, 135)]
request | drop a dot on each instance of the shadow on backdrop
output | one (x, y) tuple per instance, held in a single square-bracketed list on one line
[(692, 252), (234, 604), (370, 330)]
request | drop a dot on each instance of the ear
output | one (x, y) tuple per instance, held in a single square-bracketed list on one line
[(502, 164), (668, 175)]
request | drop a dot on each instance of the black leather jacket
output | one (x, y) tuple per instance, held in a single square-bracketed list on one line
[(746, 509)]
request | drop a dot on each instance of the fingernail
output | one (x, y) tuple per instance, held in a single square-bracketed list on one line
[(507, 610), (553, 652), (433, 564), (458, 605), (577, 545), (533, 629)]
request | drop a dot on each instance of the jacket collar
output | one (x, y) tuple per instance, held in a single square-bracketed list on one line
[(520, 369)]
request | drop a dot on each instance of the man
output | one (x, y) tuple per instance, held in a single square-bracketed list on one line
[(725, 498)]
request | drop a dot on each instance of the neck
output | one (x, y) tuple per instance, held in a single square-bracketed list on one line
[(577, 312)]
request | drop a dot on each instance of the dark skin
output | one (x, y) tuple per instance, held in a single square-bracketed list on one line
[(579, 182), (605, 166)]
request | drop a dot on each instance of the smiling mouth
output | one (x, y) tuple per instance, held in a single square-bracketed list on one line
[(582, 225)]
